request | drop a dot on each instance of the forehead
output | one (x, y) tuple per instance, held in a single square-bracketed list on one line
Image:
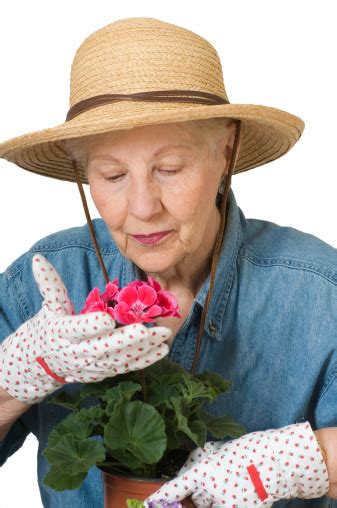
[(177, 134)]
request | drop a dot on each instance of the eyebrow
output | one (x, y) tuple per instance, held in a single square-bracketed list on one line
[(157, 152), (169, 147)]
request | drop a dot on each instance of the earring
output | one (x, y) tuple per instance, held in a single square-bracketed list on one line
[(221, 188)]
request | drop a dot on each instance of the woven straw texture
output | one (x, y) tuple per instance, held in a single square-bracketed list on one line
[(142, 55)]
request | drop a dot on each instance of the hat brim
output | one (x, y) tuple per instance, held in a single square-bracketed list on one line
[(267, 133)]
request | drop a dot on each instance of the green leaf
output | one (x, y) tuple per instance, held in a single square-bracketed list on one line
[(183, 425), (126, 458), (180, 406), (77, 424), (58, 480), (163, 367), (191, 390), (66, 400), (71, 425), (90, 415), (75, 455), (215, 381), (198, 428), (173, 441), (118, 394), (138, 428), (134, 503), (99, 389), (221, 426), (163, 389)]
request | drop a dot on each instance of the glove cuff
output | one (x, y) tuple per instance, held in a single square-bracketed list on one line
[(300, 461)]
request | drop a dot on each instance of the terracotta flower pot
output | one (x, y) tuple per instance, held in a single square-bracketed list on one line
[(117, 489)]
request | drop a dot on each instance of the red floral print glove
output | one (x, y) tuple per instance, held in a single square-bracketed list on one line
[(57, 347), (253, 471)]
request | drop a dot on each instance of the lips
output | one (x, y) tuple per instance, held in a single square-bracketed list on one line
[(152, 238)]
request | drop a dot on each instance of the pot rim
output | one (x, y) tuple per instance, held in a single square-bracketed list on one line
[(134, 478)]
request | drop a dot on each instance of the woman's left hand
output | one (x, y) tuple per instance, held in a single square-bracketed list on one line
[(255, 470)]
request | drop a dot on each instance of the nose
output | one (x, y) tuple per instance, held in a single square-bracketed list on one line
[(144, 200)]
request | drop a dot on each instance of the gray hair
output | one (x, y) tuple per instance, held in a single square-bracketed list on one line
[(212, 130)]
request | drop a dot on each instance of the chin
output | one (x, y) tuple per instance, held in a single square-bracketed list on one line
[(154, 262)]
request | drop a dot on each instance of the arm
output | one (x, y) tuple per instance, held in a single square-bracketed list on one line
[(12, 431), (10, 410), (327, 439)]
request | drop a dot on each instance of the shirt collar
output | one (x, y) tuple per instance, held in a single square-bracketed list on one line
[(224, 274)]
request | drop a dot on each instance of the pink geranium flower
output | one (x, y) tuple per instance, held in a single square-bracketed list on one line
[(93, 302), (165, 300), (110, 294), (97, 302), (168, 304), (138, 302)]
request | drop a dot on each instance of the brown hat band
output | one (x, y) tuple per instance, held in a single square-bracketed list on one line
[(156, 95)]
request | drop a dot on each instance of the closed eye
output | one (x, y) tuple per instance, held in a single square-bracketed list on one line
[(113, 178), (169, 171)]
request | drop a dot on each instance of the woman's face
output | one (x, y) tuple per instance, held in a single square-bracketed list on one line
[(157, 179)]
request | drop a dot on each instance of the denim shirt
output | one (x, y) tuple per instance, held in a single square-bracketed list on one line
[(271, 329)]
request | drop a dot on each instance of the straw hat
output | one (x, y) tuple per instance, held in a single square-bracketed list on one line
[(176, 76)]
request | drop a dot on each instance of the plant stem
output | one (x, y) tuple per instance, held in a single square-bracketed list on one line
[(143, 383)]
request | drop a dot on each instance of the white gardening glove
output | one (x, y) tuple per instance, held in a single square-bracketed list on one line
[(253, 471), (56, 347)]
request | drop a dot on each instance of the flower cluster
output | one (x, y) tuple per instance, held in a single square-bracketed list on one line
[(161, 503), (158, 503), (138, 302)]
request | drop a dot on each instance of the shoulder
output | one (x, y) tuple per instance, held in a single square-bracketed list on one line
[(77, 239), (267, 243), (73, 255)]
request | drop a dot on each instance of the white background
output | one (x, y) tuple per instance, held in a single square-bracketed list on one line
[(280, 53)]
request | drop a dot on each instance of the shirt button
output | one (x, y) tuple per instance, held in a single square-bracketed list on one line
[(211, 326)]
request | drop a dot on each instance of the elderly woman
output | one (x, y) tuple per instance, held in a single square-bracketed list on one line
[(151, 130)]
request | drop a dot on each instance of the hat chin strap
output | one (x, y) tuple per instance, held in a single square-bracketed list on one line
[(218, 242), (217, 246), (89, 221)]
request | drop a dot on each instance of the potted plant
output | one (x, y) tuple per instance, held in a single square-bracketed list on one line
[(139, 427)]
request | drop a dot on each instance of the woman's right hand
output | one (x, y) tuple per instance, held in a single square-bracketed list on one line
[(57, 347)]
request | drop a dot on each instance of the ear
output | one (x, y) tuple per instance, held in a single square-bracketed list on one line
[(228, 144)]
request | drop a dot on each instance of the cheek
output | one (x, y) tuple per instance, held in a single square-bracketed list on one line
[(193, 199), (109, 206)]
